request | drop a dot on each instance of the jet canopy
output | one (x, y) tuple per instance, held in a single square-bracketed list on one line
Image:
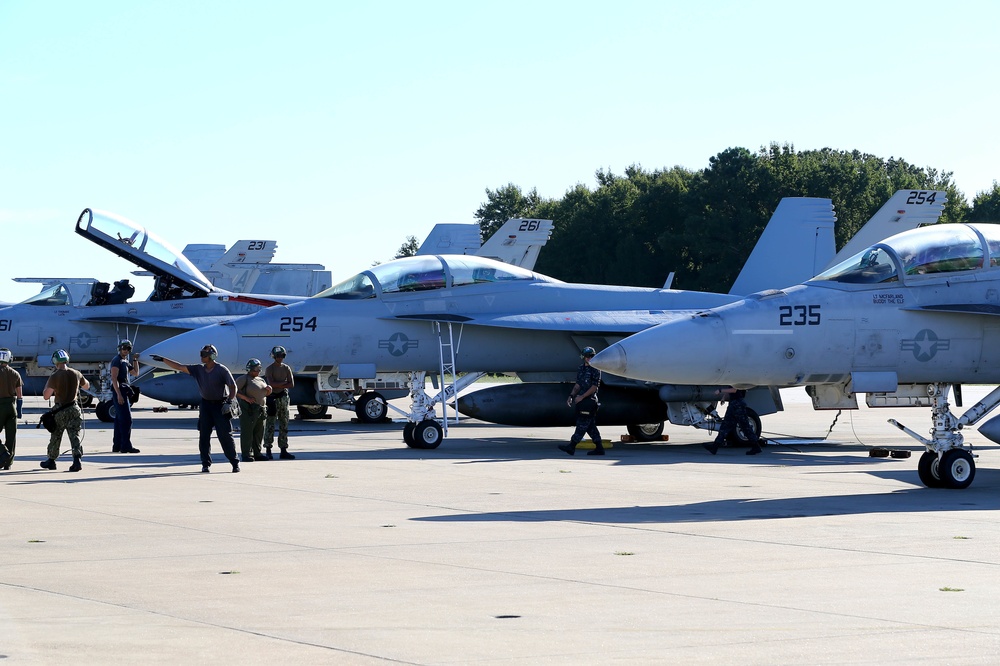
[(935, 249), (176, 277), (427, 273)]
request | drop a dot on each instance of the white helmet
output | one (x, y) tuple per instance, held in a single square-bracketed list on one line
[(5, 356)]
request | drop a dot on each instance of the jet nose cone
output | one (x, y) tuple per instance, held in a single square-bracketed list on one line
[(613, 360), (185, 348), (687, 351)]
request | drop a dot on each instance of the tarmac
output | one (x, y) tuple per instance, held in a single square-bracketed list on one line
[(497, 548)]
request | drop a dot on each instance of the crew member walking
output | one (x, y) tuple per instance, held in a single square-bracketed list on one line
[(122, 370), (217, 388), (583, 398), (736, 417), (65, 384)]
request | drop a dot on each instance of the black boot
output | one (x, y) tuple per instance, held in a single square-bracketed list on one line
[(50, 463), (598, 449), (568, 448), (76, 466), (285, 455)]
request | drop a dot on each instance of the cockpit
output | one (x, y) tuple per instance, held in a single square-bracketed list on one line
[(931, 250), (176, 277), (428, 273)]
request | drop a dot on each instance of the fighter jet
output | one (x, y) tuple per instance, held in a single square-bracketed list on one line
[(903, 321), (517, 242), (418, 315)]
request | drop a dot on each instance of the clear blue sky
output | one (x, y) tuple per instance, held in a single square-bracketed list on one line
[(340, 128)]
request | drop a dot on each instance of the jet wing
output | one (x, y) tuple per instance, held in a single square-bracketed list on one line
[(604, 321)]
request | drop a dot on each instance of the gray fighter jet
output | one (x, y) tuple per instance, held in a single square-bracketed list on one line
[(418, 315), (903, 321)]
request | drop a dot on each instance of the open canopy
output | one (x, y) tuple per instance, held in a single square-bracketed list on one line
[(176, 277)]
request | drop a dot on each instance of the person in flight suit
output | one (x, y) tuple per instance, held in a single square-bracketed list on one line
[(736, 417), (583, 398), (11, 400), (279, 377), (217, 388), (65, 384), (122, 369), (252, 392)]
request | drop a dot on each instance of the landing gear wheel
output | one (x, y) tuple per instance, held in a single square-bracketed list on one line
[(928, 468), (739, 438), (408, 434), (371, 408), (427, 435), (86, 400), (312, 411), (106, 411), (956, 469), (646, 432)]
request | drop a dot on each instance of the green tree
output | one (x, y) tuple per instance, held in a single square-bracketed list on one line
[(986, 206), (503, 204), (409, 248)]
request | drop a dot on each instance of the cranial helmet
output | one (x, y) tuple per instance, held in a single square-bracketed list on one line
[(588, 352), (60, 356), (213, 353), (278, 351), (253, 364), (125, 344), (5, 356)]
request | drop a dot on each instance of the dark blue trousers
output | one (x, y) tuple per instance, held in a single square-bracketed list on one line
[(122, 438)]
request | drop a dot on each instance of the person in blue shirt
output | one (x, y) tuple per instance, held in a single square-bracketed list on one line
[(123, 368), (583, 398)]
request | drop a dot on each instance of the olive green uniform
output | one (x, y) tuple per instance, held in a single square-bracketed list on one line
[(251, 414), (10, 380), (277, 373), (66, 383)]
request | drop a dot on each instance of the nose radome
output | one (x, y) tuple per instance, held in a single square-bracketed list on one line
[(185, 348), (613, 360), (688, 351)]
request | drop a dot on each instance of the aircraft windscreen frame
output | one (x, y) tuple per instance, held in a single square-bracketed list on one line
[(424, 273), (55, 296), (139, 246), (920, 252)]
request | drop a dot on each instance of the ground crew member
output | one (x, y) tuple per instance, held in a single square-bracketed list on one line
[(583, 398), (252, 392), (279, 377), (11, 400), (217, 388), (122, 369), (736, 416), (65, 384)]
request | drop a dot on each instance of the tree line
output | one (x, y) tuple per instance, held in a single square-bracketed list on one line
[(634, 228)]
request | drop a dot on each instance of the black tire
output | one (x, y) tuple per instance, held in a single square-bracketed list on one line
[(105, 411), (427, 435), (312, 411), (86, 400), (957, 469), (408, 434), (738, 438), (646, 432), (371, 408), (927, 469)]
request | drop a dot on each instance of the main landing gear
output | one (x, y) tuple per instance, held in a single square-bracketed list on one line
[(948, 461)]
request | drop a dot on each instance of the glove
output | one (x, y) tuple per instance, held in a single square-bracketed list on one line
[(227, 406), (20, 403)]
